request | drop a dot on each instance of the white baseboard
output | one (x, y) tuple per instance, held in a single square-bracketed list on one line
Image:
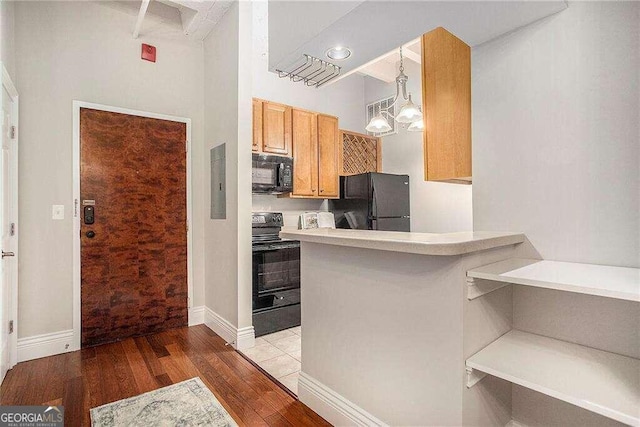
[(245, 338), (240, 339), (332, 406), (196, 315), (45, 345)]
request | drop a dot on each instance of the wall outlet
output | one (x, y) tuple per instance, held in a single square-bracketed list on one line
[(57, 212)]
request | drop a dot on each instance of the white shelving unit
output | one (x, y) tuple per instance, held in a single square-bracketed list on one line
[(602, 382), (605, 281)]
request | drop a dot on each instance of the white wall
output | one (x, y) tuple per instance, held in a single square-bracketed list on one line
[(227, 89), (290, 208), (344, 99), (556, 134), (84, 51), (556, 151), (436, 207), (7, 37), (221, 126)]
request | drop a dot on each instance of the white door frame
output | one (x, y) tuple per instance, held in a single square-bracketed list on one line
[(77, 105), (7, 83)]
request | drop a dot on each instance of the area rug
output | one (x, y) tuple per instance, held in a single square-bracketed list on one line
[(189, 403)]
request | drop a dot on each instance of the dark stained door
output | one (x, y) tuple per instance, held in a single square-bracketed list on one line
[(134, 268)]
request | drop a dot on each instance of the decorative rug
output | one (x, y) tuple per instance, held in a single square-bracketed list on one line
[(189, 403)]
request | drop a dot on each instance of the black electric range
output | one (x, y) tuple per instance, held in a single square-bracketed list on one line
[(276, 275)]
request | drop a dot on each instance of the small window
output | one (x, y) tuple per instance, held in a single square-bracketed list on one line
[(374, 108)]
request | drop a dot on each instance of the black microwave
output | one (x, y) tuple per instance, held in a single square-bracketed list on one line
[(271, 174)]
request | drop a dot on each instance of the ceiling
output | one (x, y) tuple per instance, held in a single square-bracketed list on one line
[(384, 67), (191, 18), (373, 27)]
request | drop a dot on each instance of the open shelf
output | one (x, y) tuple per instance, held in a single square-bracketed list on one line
[(602, 382), (605, 281)]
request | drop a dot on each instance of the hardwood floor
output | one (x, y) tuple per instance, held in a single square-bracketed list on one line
[(92, 377)]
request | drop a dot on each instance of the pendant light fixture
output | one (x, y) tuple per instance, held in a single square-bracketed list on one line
[(378, 124), (409, 112), (417, 126)]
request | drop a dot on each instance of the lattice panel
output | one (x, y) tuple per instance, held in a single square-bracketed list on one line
[(359, 153)]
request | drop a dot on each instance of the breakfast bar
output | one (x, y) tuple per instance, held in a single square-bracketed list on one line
[(387, 326)]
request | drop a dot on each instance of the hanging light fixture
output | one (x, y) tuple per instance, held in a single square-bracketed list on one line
[(409, 112), (417, 126), (378, 124)]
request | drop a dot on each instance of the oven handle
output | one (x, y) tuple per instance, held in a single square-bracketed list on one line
[(272, 249)]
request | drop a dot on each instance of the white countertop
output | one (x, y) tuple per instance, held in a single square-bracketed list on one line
[(416, 243)]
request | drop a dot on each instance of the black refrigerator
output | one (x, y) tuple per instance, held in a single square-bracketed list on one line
[(373, 201)]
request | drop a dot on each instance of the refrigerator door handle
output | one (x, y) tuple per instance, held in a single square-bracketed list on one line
[(374, 207)]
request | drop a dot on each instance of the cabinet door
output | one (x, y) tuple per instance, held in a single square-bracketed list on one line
[(328, 139), (305, 153), (276, 128), (257, 126), (446, 103)]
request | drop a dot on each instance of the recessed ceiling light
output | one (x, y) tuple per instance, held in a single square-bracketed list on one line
[(338, 53)]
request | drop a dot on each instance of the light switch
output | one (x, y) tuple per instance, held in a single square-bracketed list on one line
[(57, 212)]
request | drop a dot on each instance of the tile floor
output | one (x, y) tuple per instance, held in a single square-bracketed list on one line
[(279, 355)]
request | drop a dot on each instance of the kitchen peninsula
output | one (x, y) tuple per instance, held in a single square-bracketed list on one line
[(387, 326)]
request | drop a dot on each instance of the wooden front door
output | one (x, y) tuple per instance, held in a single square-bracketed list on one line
[(134, 255)]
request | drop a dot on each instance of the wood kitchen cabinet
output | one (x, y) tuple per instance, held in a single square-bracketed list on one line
[(359, 153), (446, 102), (315, 145), (311, 138), (276, 128), (305, 153), (328, 152), (257, 125)]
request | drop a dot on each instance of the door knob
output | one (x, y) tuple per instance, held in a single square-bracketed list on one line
[(91, 234), (5, 254)]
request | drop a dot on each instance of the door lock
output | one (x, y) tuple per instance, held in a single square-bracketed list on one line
[(89, 213)]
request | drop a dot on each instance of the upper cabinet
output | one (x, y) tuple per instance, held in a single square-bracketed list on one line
[(315, 155), (328, 152), (276, 125), (305, 153), (271, 128), (312, 139), (359, 153), (446, 102), (257, 125)]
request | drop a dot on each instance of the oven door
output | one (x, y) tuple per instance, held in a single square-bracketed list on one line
[(276, 267)]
